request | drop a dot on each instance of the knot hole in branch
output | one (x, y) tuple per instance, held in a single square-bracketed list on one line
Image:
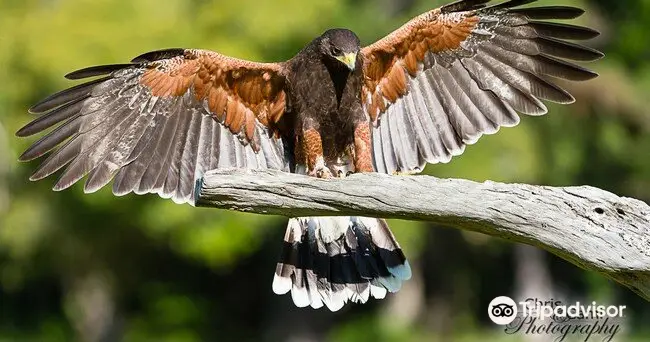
[(601, 211)]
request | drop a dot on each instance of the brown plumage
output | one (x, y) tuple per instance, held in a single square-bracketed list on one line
[(417, 96)]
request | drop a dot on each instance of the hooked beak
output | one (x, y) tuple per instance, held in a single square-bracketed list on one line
[(349, 59)]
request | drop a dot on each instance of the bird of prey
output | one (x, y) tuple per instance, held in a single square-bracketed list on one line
[(416, 96)]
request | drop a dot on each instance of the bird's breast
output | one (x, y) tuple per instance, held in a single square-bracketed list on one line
[(330, 101)]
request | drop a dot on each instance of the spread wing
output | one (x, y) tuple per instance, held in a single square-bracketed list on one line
[(158, 123), (449, 76)]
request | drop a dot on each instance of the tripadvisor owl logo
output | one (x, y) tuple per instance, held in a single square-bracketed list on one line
[(502, 310)]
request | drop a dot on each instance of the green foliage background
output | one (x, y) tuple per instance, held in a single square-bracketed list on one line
[(100, 268)]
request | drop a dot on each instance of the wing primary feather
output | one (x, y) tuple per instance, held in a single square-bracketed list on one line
[(66, 96), (120, 153), (563, 49), (99, 70), (490, 110), (97, 125), (488, 79), (58, 159), (540, 64), (51, 140), (464, 5), (511, 3), (153, 56), (549, 12), (52, 118), (527, 83), (563, 31), (548, 46), (468, 120), (559, 68), (99, 144), (101, 120)]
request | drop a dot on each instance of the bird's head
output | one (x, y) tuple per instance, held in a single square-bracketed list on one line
[(341, 45)]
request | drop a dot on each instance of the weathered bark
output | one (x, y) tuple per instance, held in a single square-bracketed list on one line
[(589, 227)]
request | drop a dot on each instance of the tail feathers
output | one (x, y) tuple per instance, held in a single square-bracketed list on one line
[(328, 261)]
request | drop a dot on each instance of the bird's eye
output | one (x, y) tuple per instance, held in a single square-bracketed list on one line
[(336, 51)]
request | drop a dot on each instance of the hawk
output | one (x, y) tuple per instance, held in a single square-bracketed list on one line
[(417, 96)]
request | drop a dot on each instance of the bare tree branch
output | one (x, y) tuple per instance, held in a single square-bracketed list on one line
[(594, 229)]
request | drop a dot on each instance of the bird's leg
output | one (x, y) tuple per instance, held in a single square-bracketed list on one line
[(312, 145), (362, 147)]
